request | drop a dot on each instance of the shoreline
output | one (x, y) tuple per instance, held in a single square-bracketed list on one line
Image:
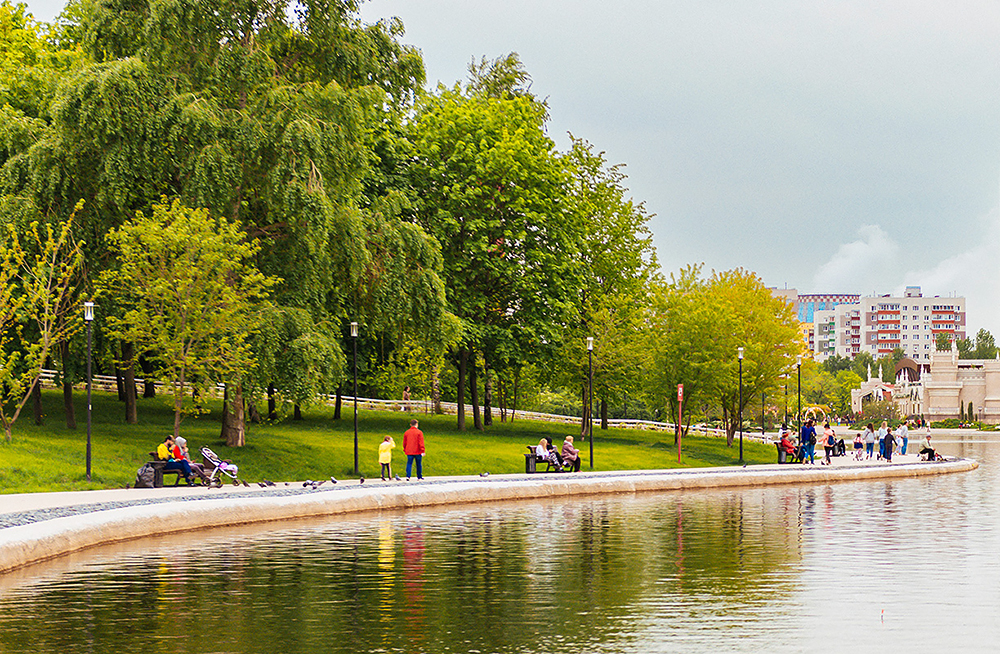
[(74, 521)]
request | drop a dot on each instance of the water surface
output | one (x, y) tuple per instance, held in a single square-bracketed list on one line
[(904, 565)]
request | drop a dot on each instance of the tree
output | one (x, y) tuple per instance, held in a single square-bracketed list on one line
[(942, 341), (37, 304), (192, 295), (836, 363), (489, 188), (984, 346)]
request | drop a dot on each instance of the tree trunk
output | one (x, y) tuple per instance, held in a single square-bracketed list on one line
[(128, 370), (503, 398), (436, 391), (477, 422), (148, 385), (463, 361), (120, 383), (487, 395), (234, 420), (297, 412), (254, 413), (336, 406), (36, 402), (272, 408), (67, 384), (604, 414), (517, 383)]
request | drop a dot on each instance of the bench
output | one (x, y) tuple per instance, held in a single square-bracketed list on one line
[(784, 457), (158, 471), (531, 461)]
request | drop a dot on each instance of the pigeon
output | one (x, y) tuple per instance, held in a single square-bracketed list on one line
[(268, 483), (286, 483), (128, 486), (484, 474), (307, 482), (362, 480), (245, 483), (333, 480), (262, 484), (398, 478), (319, 483)]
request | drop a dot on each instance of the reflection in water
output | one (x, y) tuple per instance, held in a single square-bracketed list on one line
[(783, 569)]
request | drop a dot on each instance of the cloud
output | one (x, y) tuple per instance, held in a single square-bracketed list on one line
[(866, 265), (974, 274)]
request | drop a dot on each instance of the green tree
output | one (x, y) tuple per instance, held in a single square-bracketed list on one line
[(942, 341), (490, 187), (39, 265), (192, 295)]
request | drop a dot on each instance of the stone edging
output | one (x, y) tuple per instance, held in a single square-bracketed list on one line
[(32, 543)]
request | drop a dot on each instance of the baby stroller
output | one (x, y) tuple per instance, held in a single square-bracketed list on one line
[(227, 468)]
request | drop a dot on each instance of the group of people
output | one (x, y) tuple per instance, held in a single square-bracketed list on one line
[(175, 453), (413, 447), (888, 440), (568, 459)]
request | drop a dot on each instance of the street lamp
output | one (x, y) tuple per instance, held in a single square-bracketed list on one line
[(88, 315), (590, 397), (762, 415), (739, 408), (798, 372), (354, 337)]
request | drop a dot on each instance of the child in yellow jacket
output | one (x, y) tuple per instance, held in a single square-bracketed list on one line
[(385, 456)]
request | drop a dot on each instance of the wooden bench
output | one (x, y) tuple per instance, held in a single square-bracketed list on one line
[(158, 471), (531, 461)]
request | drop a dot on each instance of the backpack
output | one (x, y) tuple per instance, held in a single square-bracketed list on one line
[(144, 476)]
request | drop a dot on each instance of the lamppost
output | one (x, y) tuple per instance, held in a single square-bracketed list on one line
[(354, 337), (590, 397), (798, 372), (739, 409), (88, 315), (786, 397), (761, 414)]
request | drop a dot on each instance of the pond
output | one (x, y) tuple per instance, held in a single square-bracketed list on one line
[(903, 565)]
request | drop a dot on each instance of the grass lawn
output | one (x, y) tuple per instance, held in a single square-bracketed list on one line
[(52, 458)]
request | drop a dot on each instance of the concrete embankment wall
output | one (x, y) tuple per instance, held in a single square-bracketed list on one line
[(31, 543)]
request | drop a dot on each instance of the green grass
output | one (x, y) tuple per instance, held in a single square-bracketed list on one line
[(51, 457)]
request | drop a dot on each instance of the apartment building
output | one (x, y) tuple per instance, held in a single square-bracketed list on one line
[(846, 325)]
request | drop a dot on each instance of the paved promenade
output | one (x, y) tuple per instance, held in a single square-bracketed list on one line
[(39, 526)]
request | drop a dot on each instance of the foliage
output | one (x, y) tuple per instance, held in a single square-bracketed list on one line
[(982, 347), (191, 295), (942, 341), (880, 410), (38, 270)]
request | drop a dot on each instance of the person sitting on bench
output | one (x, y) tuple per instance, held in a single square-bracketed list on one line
[(181, 454), (542, 451), (925, 446), (785, 444), (570, 455), (165, 452)]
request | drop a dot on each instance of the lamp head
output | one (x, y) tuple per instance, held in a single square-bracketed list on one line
[(798, 360), (354, 329), (590, 343), (88, 311), (740, 350)]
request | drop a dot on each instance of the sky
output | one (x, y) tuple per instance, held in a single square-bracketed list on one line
[(828, 146)]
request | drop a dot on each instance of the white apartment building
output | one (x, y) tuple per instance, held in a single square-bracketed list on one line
[(878, 324)]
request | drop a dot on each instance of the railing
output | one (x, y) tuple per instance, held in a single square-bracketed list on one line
[(109, 384)]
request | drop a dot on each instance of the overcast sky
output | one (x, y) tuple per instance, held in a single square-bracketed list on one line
[(843, 147)]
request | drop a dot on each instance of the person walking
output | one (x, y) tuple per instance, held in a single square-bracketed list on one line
[(890, 445), (385, 456), (413, 447), (829, 442), (904, 433), (808, 440), (869, 441), (882, 431)]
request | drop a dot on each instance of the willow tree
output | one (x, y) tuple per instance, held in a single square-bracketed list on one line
[(193, 295), (262, 117)]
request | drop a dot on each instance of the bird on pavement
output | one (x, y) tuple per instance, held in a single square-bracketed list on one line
[(362, 480), (319, 483), (262, 484), (332, 480), (307, 482), (268, 483), (398, 478), (484, 474), (245, 483)]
